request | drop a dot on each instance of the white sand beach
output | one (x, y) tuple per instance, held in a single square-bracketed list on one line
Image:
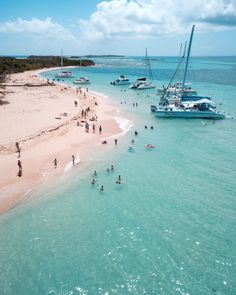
[(44, 120)]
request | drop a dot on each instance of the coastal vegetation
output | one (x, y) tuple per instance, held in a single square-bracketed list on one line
[(11, 65)]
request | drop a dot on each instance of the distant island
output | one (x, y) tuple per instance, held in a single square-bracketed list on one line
[(11, 65), (107, 56)]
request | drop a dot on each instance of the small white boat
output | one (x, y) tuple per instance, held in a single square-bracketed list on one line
[(82, 80), (122, 80), (64, 75)]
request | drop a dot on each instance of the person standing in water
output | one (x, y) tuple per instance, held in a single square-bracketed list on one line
[(73, 159)]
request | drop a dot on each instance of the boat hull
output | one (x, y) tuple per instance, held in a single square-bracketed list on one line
[(143, 87), (189, 114), (64, 76), (83, 83), (121, 83)]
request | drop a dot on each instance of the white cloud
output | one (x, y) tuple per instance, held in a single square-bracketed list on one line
[(45, 29), (118, 19)]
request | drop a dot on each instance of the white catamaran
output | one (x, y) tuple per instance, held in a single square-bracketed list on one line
[(82, 80), (191, 107), (144, 83), (63, 74)]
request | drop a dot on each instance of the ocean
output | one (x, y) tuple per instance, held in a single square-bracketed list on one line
[(168, 228)]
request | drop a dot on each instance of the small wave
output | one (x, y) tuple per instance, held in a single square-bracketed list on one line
[(99, 94), (124, 124), (70, 165)]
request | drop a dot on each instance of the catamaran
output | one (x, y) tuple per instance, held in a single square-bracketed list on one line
[(64, 74), (176, 88), (143, 83), (198, 107), (81, 80)]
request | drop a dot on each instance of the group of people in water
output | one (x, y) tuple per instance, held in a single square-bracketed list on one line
[(109, 169)]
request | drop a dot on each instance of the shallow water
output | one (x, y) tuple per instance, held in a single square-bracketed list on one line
[(169, 228)]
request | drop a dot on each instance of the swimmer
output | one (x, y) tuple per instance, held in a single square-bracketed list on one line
[(145, 126), (112, 168), (151, 127), (93, 181), (108, 170), (135, 132), (102, 188), (94, 173)]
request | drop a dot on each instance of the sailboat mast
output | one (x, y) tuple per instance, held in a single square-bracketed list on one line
[(146, 61), (186, 66), (180, 51), (148, 70), (61, 58)]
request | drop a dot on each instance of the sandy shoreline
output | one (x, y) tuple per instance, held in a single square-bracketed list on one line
[(44, 120)]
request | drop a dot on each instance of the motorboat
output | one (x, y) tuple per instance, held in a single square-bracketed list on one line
[(122, 80), (64, 74), (82, 80)]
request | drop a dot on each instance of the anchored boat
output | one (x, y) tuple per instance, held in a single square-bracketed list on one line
[(182, 106)]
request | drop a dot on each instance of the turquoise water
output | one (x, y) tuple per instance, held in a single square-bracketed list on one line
[(169, 228)]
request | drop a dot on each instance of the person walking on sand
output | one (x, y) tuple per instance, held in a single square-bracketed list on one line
[(93, 128), (19, 164), (18, 149), (55, 163), (100, 129), (76, 103), (73, 160), (87, 127), (20, 168)]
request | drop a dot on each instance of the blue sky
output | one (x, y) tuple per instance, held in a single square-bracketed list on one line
[(117, 26)]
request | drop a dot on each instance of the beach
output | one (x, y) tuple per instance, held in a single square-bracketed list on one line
[(167, 228), (46, 120)]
